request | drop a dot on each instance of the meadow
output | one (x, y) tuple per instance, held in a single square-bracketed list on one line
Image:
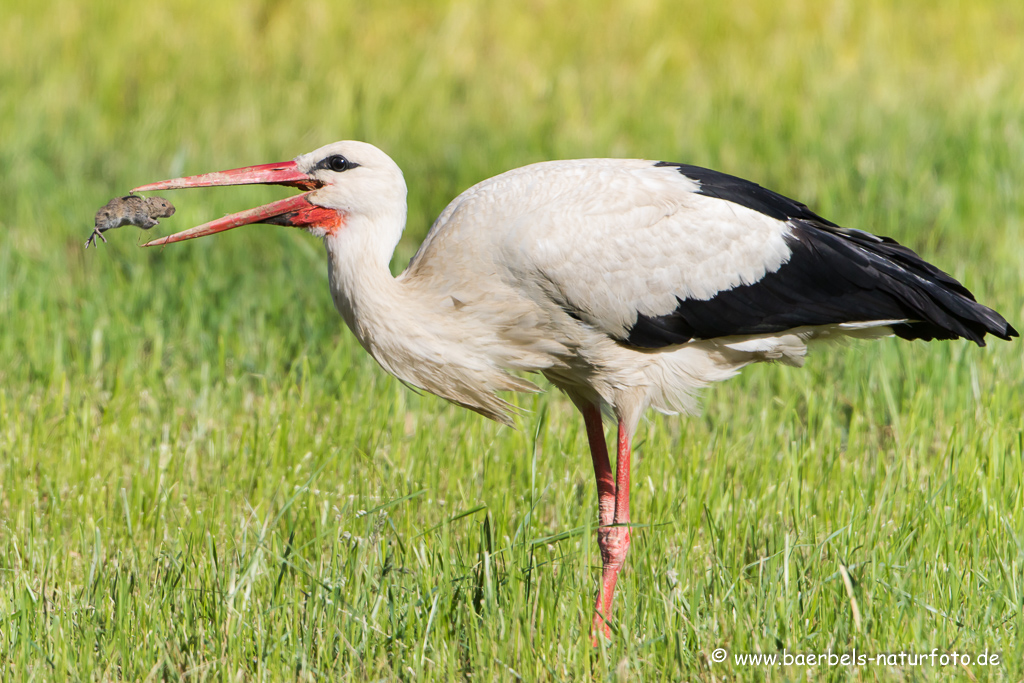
[(203, 477)]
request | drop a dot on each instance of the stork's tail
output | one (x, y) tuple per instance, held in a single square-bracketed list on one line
[(941, 307)]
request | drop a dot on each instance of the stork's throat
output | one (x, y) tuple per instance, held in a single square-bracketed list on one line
[(312, 216)]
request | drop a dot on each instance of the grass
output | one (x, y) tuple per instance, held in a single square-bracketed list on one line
[(202, 477)]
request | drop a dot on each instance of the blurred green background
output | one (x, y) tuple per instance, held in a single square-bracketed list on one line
[(189, 436)]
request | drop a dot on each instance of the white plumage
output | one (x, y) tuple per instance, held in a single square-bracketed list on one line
[(628, 283)]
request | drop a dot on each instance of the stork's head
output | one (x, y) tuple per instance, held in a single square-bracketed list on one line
[(344, 183)]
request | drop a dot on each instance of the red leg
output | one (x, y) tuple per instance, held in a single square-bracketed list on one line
[(602, 468), (613, 503)]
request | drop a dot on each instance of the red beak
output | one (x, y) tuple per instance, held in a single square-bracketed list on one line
[(295, 211)]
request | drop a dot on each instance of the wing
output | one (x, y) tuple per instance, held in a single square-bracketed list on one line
[(658, 254)]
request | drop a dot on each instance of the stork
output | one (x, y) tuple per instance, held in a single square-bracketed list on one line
[(629, 284)]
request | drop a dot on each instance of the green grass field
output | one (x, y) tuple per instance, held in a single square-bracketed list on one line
[(203, 477)]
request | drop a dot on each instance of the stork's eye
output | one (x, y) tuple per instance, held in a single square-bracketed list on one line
[(337, 163)]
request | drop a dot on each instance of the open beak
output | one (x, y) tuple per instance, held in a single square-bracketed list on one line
[(295, 211)]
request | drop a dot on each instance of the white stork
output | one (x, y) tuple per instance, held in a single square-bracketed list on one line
[(627, 283)]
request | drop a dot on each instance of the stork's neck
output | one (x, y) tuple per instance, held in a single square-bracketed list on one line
[(397, 323), (362, 286)]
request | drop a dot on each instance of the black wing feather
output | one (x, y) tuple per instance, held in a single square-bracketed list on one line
[(834, 275), (745, 193)]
